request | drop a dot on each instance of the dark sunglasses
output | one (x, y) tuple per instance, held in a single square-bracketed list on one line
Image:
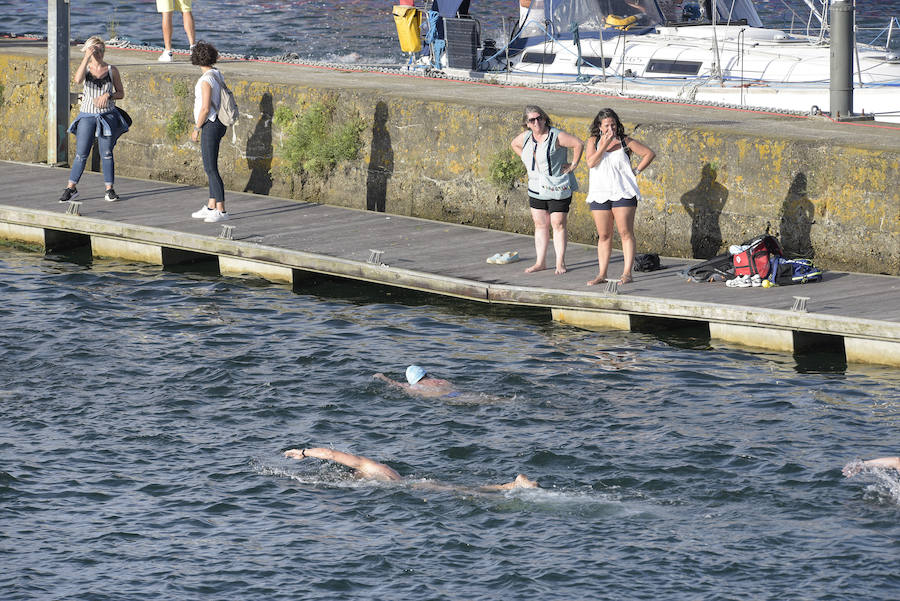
[(535, 119)]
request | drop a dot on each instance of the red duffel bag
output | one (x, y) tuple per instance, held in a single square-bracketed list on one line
[(754, 259)]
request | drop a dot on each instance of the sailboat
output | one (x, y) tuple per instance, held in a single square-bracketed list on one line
[(708, 52)]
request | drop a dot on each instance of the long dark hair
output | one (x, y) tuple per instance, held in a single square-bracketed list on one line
[(605, 114)]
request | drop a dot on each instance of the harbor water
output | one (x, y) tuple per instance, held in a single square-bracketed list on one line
[(351, 31), (144, 413)]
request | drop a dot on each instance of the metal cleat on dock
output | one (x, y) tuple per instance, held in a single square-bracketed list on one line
[(74, 208), (612, 286), (374, 256), (227, 232), (800, 304)]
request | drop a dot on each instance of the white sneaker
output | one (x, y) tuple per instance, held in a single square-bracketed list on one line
[(165, 57), (202, 213), (216, 215), (742, 281)]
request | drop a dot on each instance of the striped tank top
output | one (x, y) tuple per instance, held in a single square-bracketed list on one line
[(94, 88)]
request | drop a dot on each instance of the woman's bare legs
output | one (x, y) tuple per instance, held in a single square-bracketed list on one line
[(541, 220), (624, 217), (604, 222), (558, 221)]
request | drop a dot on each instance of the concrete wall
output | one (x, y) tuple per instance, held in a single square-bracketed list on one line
[(835, 202)]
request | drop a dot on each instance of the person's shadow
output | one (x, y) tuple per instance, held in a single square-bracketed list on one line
[(797, 218), (259, 149), (381, 161), (704, 204)]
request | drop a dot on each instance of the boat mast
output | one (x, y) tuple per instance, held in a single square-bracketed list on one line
[(717, 65)]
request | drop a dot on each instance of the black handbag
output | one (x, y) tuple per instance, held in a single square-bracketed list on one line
[(646, 262), (124, 115)]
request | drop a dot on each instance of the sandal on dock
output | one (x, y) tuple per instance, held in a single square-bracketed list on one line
[(504, 258)]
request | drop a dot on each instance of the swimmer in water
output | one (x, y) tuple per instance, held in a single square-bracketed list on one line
[(419, 383), (372, 470), (851, 469)]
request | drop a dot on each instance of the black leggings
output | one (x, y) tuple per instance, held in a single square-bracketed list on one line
[(210, 136)]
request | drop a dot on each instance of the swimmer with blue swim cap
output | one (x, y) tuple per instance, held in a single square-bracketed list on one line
[(419, 383), (414, 373)]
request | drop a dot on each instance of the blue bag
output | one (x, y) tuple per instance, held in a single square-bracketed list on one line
[(793, 271)]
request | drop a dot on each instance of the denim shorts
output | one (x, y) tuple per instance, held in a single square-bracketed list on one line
[(615, 204)]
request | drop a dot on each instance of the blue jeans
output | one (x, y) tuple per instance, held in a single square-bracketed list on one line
[(85, 134), (210, 135)]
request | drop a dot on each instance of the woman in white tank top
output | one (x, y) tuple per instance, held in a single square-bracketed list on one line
[(208, 130), (613, 192)]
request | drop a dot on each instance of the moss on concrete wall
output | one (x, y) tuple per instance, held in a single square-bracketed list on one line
[(709, 187)]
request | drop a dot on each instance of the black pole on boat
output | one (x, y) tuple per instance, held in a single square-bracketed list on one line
[(841, 86)]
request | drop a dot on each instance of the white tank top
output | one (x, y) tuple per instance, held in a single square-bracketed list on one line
[(212, 78), (612, 178)]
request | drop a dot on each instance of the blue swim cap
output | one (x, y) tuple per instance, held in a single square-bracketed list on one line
[(414, 373)]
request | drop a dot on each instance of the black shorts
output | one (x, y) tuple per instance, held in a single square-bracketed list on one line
[(615, 204), (551, 206)]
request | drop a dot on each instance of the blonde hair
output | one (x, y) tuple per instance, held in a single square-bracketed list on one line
[(94, 40)]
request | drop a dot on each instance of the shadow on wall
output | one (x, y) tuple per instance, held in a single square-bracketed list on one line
[(704, 203), (259, 149), (381, 161), (797, 218)]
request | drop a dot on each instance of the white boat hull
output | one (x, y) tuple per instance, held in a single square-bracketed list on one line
[(756, 68)]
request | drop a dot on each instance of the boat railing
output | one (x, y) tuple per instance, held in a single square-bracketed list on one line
[(890, 34), (869, 36)]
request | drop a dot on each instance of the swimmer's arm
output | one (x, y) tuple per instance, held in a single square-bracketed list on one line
[(384, 378), (893, 462), (363, 465), (889, 462), (521, 481), (347, 459)]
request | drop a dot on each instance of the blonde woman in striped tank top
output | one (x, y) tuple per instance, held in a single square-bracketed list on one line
[(98, 118)]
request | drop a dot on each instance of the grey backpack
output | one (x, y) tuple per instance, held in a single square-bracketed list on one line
[(228, 111)]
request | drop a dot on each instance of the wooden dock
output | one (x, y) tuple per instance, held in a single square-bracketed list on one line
[(284, 240)]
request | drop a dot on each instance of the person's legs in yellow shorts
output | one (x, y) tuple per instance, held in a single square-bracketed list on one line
[(167, 7)]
